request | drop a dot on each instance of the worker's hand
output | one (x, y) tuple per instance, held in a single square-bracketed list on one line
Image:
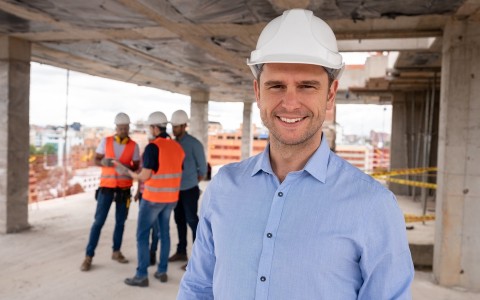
[(107, 162), (200, 178), (136, 197), (132, 174), (120, 168)]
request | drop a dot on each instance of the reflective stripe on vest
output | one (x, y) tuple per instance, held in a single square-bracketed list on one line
[(109, 177), (165, 176), (157, 190), (163, 186)]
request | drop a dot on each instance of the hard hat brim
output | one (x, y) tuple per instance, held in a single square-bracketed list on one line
[(295, 59)]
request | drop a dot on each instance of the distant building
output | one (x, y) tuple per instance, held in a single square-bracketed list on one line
[(365, 157), (214, 128), (366, 153), (224, 148), (88, 178)]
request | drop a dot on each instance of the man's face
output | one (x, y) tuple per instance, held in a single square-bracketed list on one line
[(178, 130), (122, 130), (151, 133), (293, 99)]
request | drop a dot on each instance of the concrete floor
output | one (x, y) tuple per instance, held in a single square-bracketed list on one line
[(43, 263)]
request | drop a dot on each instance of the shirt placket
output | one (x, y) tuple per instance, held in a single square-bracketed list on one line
[(269, 238)]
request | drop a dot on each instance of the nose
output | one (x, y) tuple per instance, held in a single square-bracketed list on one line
[(290, 100)]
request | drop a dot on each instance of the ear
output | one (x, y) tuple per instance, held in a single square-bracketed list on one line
[(256, 88), (331, 95)]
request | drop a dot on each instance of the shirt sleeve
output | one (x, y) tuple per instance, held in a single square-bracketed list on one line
[(101, 147), (150, 157), (197, 283), (200, 161), (387, 267), (136, 153)]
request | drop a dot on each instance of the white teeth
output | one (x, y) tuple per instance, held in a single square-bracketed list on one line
[(286, 120)]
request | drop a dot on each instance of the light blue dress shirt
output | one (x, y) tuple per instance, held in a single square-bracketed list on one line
[(328, 231), (194, 163)]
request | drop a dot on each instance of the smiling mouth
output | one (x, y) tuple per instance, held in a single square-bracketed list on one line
[(290, 120)]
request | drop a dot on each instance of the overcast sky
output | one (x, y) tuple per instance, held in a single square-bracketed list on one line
[(94, 101)]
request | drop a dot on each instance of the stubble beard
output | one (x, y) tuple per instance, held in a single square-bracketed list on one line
[(278, 139)]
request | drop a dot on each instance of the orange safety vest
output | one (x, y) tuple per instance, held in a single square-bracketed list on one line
[(110, 178), (163, 186)]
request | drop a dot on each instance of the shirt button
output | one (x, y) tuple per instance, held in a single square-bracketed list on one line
[(280, 194), (269, 235), (263, 278)]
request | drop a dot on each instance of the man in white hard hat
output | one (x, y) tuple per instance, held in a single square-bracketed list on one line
[(297, 221), (161, 172), (138, 197), (194, 170), (114, 187)]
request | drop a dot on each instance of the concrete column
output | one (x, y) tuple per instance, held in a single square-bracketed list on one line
[(247, 134), (457, 242), (14, 124), (398, 146), (199, 116)]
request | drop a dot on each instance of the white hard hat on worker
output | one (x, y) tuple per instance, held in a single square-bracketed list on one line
[(179, 117), (157, 118), (122, 125), (157, 122), (122, 119), (297, 36)]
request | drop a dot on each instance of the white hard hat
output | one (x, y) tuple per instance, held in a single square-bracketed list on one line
[(179, 117), (157, 118), (297, 36), (122, 119)]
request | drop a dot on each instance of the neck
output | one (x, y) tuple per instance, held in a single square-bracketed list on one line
[(181, 135), (290, 158)]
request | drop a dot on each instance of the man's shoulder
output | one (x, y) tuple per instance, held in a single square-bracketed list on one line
[(105, 138), (240, 168), (151, 147), (171, 143), (130, 140), (365, 182), (191, 139)]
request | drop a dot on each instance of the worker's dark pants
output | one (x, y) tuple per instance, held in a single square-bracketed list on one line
[(154, 243), (104, 200), (186, 213)]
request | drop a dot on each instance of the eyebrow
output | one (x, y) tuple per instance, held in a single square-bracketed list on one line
[(310, 82), (304, 82), (273, 82)]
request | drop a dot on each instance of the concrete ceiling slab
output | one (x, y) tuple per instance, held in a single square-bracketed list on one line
[(183, 45)]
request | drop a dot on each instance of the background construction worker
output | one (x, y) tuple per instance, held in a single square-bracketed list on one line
[(161, 172), (194, 170), (119, 149), (138, 197), (297, 221)]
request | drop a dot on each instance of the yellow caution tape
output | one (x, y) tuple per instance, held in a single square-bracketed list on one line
[(421, 184), (403, 172), (414, 218), (386, 176)]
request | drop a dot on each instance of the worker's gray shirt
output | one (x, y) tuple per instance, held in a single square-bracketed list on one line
[(194, 164)]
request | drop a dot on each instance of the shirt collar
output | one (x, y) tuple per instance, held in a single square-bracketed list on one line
[(183, 137), (263, 162), (316, 166)]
